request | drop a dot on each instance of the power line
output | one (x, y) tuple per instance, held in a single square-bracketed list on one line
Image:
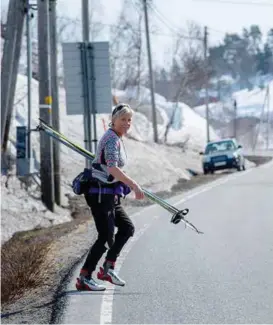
[(218, 31), (132, 29), (260, 4), (137, 9), (172, 29), (159, 16), (163, 19), (175, 30)]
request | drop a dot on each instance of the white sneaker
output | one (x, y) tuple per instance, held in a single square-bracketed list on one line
[(111, 277), (84, 284)]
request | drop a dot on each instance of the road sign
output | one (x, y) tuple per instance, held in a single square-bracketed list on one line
[(87, 77)]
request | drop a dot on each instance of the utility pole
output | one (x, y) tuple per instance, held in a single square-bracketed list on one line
[(235, 119), (45, 102), (29, 16), (55, 99), (150, 71), (268, 124), (6, 65), (87, 112), (206, 80), (262, 120), (10, 63), (85, 21)]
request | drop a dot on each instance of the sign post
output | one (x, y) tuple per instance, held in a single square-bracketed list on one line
[(87, 82)]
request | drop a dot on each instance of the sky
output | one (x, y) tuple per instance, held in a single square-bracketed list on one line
[(220, 16)]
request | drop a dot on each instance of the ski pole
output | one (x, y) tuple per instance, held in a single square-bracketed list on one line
[(64, 141), (91, 156), (178, 215), (88, 154)]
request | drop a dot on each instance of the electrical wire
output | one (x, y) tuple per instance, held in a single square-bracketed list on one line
[(175, 30), (260, 4)]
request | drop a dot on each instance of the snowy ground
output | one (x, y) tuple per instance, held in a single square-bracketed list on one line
[(21, 210), (252, 106), (249, 103)]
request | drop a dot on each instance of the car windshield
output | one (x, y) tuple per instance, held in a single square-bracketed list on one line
[(219, 146)]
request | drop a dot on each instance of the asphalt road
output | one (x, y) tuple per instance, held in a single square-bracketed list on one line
[(177, 276)]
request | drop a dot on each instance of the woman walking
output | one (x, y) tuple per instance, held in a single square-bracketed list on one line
[(108, 184)]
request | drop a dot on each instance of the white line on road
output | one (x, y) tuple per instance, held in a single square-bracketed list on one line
[(212, 185), (108, 299)]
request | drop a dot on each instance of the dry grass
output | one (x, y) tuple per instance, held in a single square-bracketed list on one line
[(22, 267), (25, 260)]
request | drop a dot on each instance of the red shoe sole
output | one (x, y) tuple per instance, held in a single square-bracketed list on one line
[(84, 287), (79, 286), (103, 277)]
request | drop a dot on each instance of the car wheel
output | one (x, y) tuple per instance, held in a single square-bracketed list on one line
[(212, 171)]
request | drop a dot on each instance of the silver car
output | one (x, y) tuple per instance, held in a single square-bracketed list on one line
[(223, 154)]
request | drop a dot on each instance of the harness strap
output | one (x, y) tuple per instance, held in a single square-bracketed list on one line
[(101, 190)]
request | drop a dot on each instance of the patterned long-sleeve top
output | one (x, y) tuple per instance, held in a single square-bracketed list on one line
[(110, 153)]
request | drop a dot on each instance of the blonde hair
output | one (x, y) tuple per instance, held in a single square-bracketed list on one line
[(120, 110)]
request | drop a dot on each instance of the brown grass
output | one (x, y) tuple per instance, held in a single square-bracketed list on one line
[(26, 262), (22, 267)]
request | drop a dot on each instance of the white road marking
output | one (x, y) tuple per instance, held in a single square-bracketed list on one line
[(108, 299), (212, 185)]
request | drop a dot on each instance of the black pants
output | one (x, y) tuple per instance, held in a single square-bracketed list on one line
[(107, 214)]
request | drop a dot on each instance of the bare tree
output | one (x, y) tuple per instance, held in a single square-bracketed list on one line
[(188, 71), (68, 30), (126, 48)]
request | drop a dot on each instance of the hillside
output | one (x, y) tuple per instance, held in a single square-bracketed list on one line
[(252, 115), (155, 166)]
